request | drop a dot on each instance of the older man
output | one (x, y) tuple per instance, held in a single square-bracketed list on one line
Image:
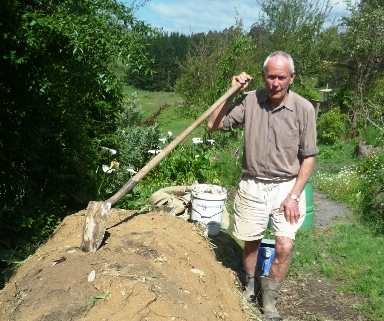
[(279, 155)]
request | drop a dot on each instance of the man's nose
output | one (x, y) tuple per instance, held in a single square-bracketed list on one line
[(275, 82)]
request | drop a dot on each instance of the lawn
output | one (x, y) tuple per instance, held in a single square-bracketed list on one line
[(168, 107)]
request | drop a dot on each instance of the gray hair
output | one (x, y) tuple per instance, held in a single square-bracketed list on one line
[(283, 54)]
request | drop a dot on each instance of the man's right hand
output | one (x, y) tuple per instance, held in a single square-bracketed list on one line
[(244, 79)]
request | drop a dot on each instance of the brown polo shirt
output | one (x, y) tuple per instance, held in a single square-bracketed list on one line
[(275, 139)]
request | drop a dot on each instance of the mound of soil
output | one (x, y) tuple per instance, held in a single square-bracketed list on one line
[(153, 266)]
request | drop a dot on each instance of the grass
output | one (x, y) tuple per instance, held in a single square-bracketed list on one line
[(350, 254), (171, 117)]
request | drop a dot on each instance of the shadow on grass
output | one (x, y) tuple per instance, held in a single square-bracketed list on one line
[(228, 250)]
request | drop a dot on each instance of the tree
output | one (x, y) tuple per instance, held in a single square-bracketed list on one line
[(211, 62), (59, 100), (362, 57), (166, 51), (295, 26)]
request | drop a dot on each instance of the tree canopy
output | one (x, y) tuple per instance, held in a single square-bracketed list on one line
[(59, 98)]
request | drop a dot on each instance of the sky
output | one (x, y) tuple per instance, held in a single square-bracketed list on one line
[(194, 16)]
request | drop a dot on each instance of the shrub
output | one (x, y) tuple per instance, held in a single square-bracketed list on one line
[(370, 203), (186, 164), (373, 136), (131, 146), (332, 127)]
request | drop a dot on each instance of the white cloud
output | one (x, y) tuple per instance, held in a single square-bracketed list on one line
[(199, 15), (194, 16)]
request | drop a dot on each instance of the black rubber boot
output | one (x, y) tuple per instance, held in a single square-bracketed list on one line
[(270, 291), (249, 288), (252, 289)]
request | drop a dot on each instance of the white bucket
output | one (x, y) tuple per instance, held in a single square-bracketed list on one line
[(208, 205)]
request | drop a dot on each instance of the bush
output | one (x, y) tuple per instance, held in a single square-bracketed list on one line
[(340, 152), (373, 136), (332, 127), (130, 147), (185, 165), (370, 203)]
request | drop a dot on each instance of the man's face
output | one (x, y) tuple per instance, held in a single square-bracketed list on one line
[(277, 78)]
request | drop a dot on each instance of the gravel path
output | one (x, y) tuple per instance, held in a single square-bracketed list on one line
[(328, 212)]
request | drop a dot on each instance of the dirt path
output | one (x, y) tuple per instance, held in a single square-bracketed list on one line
[(154, 266)]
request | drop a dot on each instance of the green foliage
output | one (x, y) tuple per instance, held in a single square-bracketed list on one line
[(336, 175), (135, 144), (359, 185), (361, 61), (166, 51), (200, 84), (297, 27), (332, 127), (132, 144), (60, 98), (12, 256), (201, 162), (186, 164), (338, 153), (343, 185), (374, 136), (370, 205), (341, 98)]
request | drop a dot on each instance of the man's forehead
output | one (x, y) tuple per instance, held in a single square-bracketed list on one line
[(278, 64), (275, 73)]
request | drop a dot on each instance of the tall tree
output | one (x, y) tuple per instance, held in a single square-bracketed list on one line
[(59, 98), (295, 26), (166, 51), (211, 62), (362, 57)]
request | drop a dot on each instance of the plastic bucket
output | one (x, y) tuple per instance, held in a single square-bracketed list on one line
[(208, 203)]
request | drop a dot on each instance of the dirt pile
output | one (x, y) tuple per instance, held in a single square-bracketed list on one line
[(152, 266)]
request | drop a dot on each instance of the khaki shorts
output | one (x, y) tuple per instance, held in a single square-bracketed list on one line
[(256, 202)]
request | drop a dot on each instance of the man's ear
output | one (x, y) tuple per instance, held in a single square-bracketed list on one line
[(293, 75), (262, 75)]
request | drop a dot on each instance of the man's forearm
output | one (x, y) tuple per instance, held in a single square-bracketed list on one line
[(216, 119), (305, 173)]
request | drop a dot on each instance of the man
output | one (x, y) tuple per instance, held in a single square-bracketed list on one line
[(279, 155)]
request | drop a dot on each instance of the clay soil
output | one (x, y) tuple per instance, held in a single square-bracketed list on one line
[(153, 266)]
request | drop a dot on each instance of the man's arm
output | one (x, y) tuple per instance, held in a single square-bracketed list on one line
[(305, 173), (216, 119), (289, 205)]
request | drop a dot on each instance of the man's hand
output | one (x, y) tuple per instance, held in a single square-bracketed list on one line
[(244, 79), (291, 210)]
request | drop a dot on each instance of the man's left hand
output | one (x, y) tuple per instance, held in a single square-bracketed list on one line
[(290, 207)]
